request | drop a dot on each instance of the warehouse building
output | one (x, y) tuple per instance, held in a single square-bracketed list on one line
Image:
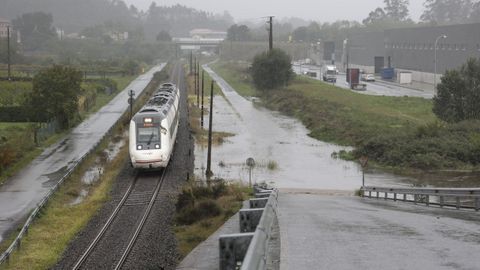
[(413, 49)]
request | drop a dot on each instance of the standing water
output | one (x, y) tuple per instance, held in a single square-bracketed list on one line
[(285, 155)]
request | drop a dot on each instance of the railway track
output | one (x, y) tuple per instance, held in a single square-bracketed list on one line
[(137, 195)]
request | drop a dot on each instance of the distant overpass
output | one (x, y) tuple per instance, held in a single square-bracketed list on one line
[(197, 43)]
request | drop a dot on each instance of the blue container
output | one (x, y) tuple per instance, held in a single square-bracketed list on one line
[(388, 73)]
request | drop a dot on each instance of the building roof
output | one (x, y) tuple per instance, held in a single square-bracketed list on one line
[(2, 20)]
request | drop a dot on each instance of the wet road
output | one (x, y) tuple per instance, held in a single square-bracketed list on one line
[(377, 88), (20, 194), (341, 232)]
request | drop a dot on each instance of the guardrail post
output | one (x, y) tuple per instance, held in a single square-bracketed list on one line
[(378, 194), (442, 199), (477, 203), (369, 194), (249, 219), (395, 197), (258, 203), (427, 200), (386, 195), (233, 248), (415, 198), (262, 195), (458, 202)]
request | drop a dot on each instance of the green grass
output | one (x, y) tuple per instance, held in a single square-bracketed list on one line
[(235, 75), (13, 93)]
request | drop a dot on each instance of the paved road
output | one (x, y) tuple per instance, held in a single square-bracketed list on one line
[(342, 232), (377, 88), (23, 191)]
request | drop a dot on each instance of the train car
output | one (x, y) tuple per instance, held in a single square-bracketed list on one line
[(153, 130)]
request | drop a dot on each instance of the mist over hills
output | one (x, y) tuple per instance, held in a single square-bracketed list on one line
[(75, 16)]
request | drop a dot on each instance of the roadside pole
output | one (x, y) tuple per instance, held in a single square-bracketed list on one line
[(202, 109), (195, 76), (191, 62), (209, 172)]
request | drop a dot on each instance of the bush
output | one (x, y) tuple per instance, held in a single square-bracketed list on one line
[(271, 69), (203, 209)]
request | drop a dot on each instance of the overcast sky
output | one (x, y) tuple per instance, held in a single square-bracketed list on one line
[(318, 10)]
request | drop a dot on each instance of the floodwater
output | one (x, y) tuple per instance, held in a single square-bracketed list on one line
[(93, 174), (296, 160)]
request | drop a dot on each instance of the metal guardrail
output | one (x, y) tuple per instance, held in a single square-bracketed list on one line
[(249, 248), (465, 198), (16, 244)]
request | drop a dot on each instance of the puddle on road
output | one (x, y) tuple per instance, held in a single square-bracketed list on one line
[(93, 174), (301, 161)]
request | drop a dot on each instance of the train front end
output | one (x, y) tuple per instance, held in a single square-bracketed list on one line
[(147, 151)]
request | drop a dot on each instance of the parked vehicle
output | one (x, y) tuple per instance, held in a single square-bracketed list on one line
[(329, 73)]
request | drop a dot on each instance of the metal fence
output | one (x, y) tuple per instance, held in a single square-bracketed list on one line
[(16, 244), (249, 249), (458, 198)]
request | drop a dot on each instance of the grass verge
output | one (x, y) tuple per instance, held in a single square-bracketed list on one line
[(202, 209)]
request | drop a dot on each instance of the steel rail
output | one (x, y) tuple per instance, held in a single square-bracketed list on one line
[(105, 227), (142, 221)]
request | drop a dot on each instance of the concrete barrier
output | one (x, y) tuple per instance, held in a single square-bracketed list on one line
[(249, 248)]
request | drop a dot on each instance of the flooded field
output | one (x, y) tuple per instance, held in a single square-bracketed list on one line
[(286, 156)]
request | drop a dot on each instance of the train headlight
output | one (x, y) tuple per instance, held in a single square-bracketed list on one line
[(157, 146), (139, 147)]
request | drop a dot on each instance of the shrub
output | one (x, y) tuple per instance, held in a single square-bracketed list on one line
[(271, 69)]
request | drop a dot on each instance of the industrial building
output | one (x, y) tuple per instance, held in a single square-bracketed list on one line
[(413, 49)]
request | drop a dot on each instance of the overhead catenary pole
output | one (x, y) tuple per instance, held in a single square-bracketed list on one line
[(195, 76), (198, 84), (203, 86), (8, 53), (435, 64), (209, 172), (270, 32), (191, 61)]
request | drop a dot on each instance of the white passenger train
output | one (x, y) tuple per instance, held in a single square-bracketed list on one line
[(153, 130)]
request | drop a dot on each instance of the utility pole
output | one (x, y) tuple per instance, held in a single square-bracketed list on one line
[(270, 33), (203, 85), (209, 172), (8, 52), (198, 84)]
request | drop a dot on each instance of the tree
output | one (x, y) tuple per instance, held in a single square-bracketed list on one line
[(271, 69), (375, 16), (55, 94), (458, 93), (164, 36), (394, 12), (397, 10), (35, 28), (238, 33), (447, 11)]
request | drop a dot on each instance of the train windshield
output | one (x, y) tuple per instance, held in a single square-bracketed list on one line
[(148, 135)]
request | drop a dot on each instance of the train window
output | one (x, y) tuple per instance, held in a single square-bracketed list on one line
[(148, 135)]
